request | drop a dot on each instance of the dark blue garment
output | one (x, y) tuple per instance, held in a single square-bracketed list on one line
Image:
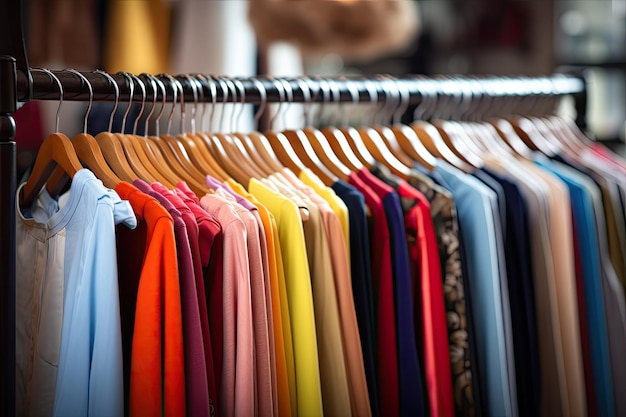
[(412, 400), (361, 271), (589, 254), (521, 294)]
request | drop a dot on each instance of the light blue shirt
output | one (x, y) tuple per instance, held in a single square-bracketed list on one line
[(90, 377), (475, 208)]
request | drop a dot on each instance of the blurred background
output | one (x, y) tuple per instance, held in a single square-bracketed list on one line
[(331, 37)]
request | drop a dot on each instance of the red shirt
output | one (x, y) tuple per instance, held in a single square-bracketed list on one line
[(382, 277), (428, 288)]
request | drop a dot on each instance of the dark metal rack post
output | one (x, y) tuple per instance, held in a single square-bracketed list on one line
[(8, 104)]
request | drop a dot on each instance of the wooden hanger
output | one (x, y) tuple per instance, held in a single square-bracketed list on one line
[(299, 139), (402, 140), (428, 134), (256, 143), (88, 151), (279, 142), (219, 144), (150, 149), (55, 150), (231, 142), (186, 148), (174, 152), (110, 145), (374, 142)]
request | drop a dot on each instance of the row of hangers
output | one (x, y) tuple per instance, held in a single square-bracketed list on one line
[(459, 128)]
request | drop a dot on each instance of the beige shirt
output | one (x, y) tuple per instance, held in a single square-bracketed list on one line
[(355, 368), (567, 301)]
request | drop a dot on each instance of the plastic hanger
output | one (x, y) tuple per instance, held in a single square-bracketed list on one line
[(87, 149), (300, 141), (55, 150), (110, 145)]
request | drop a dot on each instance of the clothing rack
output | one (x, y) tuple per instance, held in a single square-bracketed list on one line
[(19, 84)]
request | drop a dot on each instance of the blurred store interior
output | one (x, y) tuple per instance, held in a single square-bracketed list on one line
[(245, 38)]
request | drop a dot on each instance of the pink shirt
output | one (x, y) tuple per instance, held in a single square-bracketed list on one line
[(237, 391)]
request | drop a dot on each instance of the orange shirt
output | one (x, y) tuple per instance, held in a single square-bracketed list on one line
[(157, 376)]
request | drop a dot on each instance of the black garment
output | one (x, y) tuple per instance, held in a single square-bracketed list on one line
[(521, 299), (361, 283)]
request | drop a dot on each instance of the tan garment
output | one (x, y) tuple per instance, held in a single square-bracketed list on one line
[(355, 368), (334, 381), (563, 255)]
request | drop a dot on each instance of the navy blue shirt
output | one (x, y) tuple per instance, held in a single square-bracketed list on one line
[(409, 373), (361, 282)]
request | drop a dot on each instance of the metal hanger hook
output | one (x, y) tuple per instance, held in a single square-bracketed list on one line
[(154, 99), (175, 93), (55, 78), (130, 97), (84, 79), (117, 96), (281, 95), (142, 86), (194, 89), (263, 93)]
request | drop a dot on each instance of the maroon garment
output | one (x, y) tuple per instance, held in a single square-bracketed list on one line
[(195, 365), (212, 254), (384, 307)]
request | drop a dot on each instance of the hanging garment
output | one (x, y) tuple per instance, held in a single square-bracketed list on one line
[(291, 235), (361, 282), (237, 392), (70, 329), (477, 226), (443, 212)]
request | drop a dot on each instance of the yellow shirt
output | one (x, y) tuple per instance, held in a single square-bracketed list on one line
[(285, 371), (300, 297)]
